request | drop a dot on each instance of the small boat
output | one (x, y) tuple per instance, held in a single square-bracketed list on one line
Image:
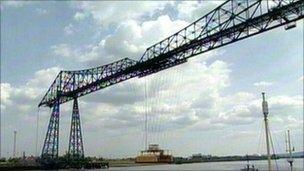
[(154, 155)]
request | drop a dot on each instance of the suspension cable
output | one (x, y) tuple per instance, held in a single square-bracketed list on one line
[(260, 136), (273, 150), (37, 132)]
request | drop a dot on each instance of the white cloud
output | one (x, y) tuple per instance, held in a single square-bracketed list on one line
[(238, 115), (241, 134), (263, 84), (283, 101), (19, 108), (43, 77), (132, 33), (118, 113), (293, 123), (14, 4), (170, 97), (41, 11), (6, 91), (184, 97), (22, 98), (301, 78), (64, 50), (11, 96), (129, 39), (107, 13), (80, 16), (245, 108), (69, 29), (193, 10)]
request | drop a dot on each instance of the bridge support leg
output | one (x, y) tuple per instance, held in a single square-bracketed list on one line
[(51, 142), (76, 151)]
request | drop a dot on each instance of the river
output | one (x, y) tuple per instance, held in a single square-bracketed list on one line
[(236, 165)]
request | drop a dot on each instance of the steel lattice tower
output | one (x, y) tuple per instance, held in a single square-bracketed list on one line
[(75, 144), (51, 142)]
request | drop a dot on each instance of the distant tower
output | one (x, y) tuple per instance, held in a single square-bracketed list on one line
[(15, 138), (75, 144), (265, 112)]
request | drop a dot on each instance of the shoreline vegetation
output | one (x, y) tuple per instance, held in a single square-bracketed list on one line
[(32, 163)]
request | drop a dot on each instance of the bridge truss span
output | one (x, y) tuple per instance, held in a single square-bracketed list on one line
[(71, 84), (230, 22)]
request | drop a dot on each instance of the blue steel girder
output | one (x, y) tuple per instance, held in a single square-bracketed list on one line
[(76, 150), (71, 84), (232, 21), (51, 141)]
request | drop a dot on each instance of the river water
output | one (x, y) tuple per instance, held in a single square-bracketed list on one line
[(282, 165)]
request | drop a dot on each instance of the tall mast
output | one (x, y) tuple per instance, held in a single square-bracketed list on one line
[(15, 138), (290, 160), (265, 112)]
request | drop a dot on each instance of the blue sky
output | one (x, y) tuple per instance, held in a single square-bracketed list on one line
[(214, 96)]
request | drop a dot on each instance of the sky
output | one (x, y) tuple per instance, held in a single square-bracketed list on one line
[(209, 105)]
